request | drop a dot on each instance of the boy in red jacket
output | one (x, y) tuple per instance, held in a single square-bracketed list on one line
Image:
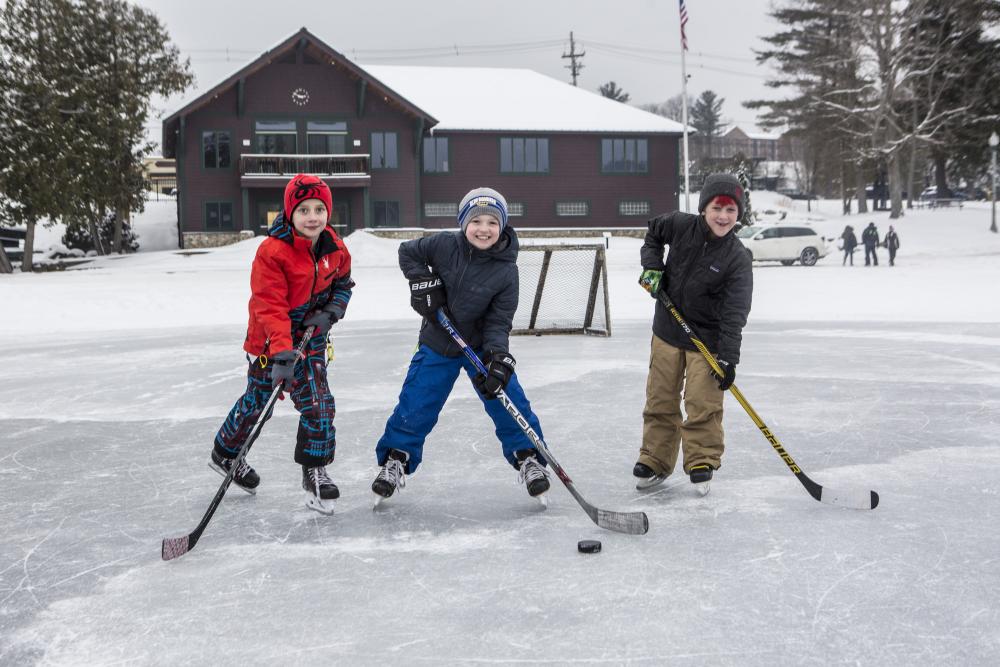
[(300, 277)]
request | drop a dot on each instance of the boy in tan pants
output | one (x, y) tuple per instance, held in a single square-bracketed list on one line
[(709, 279)]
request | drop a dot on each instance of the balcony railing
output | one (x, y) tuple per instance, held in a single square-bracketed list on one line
[(331, 166)]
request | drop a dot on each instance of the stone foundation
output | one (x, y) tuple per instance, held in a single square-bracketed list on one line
[(215, 239)]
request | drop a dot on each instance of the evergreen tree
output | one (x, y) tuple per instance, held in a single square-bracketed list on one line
[(36, 119), (79, 234), (706, 115), (743, 169), (612, 91)]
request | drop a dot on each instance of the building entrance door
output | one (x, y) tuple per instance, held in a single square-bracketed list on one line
[(341, 218), (265, 211)]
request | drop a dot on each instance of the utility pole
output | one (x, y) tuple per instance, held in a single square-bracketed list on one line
[(574, 67)]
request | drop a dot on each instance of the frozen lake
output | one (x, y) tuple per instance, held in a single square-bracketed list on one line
[(105, 439)]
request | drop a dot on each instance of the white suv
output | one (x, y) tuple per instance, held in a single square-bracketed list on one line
[(783, 243)]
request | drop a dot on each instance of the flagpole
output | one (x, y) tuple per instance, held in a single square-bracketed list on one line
[(684, 99)]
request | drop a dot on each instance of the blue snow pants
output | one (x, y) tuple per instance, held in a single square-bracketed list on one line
[(428, 383), (316, 441)]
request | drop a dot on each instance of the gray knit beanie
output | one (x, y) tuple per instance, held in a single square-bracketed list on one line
[(479, 201), (722, 184)]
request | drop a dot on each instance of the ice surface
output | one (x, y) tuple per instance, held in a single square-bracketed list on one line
[(117, 377)]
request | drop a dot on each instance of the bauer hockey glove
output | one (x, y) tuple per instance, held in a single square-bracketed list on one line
[(427, 295), (729, 374), (650, 281), (499, 369)]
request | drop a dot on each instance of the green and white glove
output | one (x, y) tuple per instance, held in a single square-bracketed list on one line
[(650, 281)]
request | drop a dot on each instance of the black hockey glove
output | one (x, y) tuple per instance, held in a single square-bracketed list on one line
[(729, 374), (427, 295), (283, 371), (322, 319), (500, 368)]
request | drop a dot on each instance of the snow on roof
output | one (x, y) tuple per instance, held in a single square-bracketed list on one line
[(762, 135), (487, 98)]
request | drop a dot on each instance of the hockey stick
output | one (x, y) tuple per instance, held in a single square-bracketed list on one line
[(852, 498), (178, 546), (632, 523)]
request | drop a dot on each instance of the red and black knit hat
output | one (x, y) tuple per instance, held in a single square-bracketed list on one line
[(303, 187), (722, 184)]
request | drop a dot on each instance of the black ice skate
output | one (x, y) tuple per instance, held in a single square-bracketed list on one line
[(245, 477), (392, 476), (533, 474), (700, 476), (648, 478), (320, 489)]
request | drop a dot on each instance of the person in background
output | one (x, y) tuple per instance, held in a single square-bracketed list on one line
[(870, 238), (850, 243), (892, 244)]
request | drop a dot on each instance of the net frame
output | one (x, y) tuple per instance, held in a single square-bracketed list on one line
[(598, 289)]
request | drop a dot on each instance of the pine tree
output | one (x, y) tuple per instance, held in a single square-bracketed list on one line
[(36, 119), (743, 169), (706, 114), (79, 234), (612, 91)]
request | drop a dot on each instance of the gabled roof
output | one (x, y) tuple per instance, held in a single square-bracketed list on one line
[(513, 100), (304, 39)]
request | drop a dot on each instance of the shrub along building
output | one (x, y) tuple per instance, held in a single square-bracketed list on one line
[(399, 146)]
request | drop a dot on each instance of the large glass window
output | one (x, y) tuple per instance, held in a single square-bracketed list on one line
[(384, 154), (624, 156), (385, 213), (276, 137), (326, 138), (216, 150), (218, 216), (524, 155), (436, 154)]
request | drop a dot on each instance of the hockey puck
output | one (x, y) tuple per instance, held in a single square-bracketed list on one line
[(588, 546)]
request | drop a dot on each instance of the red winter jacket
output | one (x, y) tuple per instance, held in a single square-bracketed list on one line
[(288, 279)]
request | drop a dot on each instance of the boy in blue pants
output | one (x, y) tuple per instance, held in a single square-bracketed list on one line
[(472, 273)]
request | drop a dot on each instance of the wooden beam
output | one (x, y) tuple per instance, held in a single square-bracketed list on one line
[(362, 90), (241, 97)]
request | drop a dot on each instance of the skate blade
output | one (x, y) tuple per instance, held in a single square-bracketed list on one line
[(543, 500), (318, 504), (651, 482), (378, 501), (224, 472), (703, 487)]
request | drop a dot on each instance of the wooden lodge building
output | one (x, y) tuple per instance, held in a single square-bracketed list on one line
[(400, 146)]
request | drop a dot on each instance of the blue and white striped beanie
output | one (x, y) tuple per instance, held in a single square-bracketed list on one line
[(479, 201)]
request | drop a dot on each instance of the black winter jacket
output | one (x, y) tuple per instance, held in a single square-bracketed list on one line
[(482, 288), (709, 279)]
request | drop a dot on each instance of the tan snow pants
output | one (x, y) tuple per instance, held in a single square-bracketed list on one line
[(664, 428)]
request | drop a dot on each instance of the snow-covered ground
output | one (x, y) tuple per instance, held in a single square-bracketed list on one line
[(119, 372)]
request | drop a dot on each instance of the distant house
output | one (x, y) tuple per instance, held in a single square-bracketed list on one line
[(756, 146), (400, 146), (160, 174)]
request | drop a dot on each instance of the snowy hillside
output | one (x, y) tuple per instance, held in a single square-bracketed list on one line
[(120, 371)]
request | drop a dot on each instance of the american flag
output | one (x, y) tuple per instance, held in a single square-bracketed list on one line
[(684, 20)]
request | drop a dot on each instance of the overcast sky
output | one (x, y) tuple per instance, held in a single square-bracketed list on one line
[(632, 42)]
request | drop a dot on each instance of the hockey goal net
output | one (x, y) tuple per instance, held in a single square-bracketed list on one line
[(564, 290)]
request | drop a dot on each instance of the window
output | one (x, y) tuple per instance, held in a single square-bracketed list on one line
[(323, 138), (436, 154), (624, 156), (771, 233), (515, 209), (572, 209), (215, 148), (384, 155), (524, 155), (276, 137), (440, 210), (218, 216), (386, 213), (633, 208)]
